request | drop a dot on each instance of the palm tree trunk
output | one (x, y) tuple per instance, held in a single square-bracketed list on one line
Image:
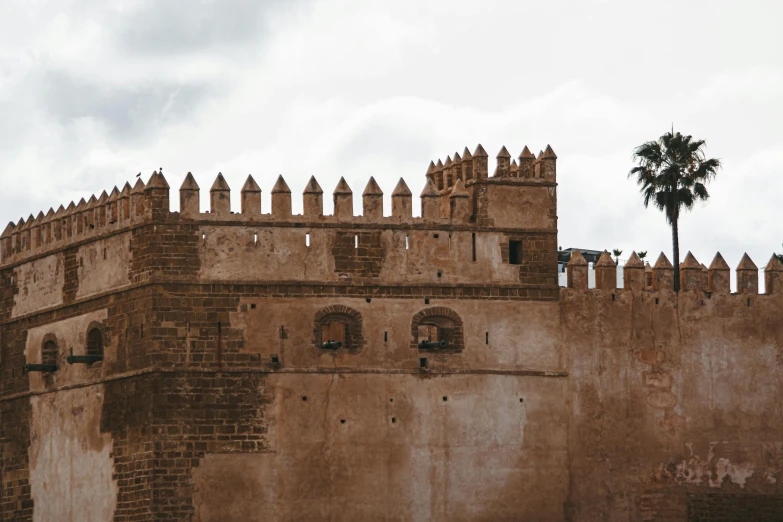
[(676, 249)]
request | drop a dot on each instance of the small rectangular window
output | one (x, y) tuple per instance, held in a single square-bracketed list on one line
[(473, 239), (515, 252), (356, 241), (406, 242), (307, 239)]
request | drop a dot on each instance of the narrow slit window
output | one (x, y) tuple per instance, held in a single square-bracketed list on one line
[(515, 252), (356, 241), (307, 239), (407, 244), (255, 238), (473, 244), (486, 337), (449, 242)]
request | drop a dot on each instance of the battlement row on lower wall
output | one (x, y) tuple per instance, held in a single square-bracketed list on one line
[(446, 198), (694, 276)]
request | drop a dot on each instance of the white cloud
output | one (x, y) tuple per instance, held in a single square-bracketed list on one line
[(92, 93)]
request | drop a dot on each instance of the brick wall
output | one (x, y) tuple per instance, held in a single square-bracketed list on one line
[(539, 258), (16, 503), (365, 260), (195, 414)]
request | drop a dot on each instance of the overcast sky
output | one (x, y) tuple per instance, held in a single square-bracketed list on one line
[(93, 92)]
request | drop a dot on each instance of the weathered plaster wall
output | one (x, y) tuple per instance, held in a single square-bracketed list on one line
[(495, 449), (40, 283), (70, 335), (70, 459), (282, 254), (278, 254), (104, 265), (675, 405), (504, 335), (526, 206)]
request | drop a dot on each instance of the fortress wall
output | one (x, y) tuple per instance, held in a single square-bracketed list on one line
[(509, 206), (402, 451), (104, 265), (216, 402), (33, 436), (40, 284), (675, 405), (71, 469), (70, 336), (282, 254), (184, 250), (665, 406), (492, 341)]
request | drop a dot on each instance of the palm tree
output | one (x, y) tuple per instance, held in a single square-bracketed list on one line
[(642, 254), (617, 253), (673, 172)]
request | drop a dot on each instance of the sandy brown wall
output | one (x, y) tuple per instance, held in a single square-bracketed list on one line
[(676, 410), (398, 447)]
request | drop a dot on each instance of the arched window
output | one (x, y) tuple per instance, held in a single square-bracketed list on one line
[(338, 327), (437, 328), (94, 341), (49, 352)]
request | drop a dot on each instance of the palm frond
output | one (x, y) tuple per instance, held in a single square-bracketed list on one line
[(672, 173)]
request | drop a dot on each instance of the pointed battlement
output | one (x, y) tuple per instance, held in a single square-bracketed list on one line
[(633, 273), (281, 199), (718, 277), (220, 196), (251, 197), (313, 198), (605, 272), (372, 200), (691, 274)]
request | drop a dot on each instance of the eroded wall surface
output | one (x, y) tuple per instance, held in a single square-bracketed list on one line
[(675, 405), (502, 335), (399, 447), (71, 466), (40, 284)]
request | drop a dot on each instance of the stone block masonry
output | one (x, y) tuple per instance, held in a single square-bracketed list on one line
[(261, 366)]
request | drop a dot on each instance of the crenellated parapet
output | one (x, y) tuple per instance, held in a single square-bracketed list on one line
[(458, 192), (472, 168), (85, 220), (694, 276)]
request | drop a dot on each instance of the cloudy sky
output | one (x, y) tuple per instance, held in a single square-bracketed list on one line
[(93, 92)]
